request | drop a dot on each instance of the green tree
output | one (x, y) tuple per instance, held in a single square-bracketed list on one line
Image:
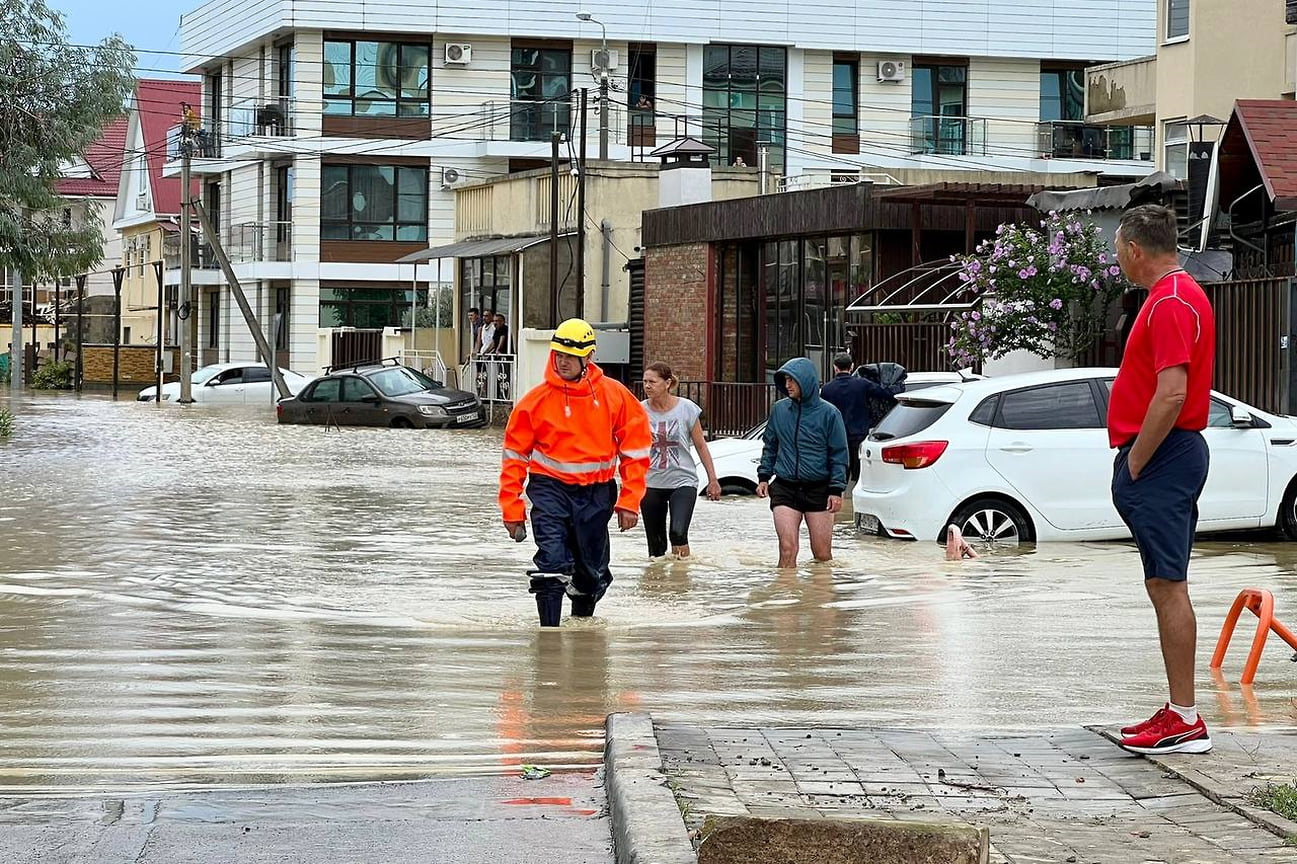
[(54, 100)]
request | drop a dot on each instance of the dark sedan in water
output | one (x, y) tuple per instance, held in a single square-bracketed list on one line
[(385, 394)]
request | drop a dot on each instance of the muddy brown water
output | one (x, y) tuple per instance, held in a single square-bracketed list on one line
[(191, 596)]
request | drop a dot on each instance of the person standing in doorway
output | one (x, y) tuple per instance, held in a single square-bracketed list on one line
[(474, 330), (853, 395), (805, 453), (672, 476), (1158, 407), (500, 337), (572, 434), (486, 340)]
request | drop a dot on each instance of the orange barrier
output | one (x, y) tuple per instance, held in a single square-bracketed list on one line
[(1259, 602)]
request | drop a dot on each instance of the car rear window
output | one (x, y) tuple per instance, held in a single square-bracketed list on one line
[(908, 418)]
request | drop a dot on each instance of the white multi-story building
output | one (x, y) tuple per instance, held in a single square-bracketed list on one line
[(336, 131)]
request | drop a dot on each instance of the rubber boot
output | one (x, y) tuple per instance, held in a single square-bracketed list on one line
[(583, 605), (549, 605)]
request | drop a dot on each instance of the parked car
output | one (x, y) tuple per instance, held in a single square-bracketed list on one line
[(1026, 458), (736, 459), (230, 384), (382, 394)]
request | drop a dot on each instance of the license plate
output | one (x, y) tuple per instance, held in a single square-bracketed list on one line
[(466, 418), (870, 523)]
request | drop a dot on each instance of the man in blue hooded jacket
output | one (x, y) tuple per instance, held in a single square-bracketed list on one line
[(805, 452)]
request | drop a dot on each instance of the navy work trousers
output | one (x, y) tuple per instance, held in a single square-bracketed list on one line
[(570, 525)]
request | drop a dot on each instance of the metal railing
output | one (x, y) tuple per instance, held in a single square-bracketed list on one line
[(207, 143), (259, 241), (428, 362), (539, 119), (1073, 139), (948, 136), (264, 116), (492, 377)]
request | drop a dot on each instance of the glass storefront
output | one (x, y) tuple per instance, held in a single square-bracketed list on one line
[(369, 308)]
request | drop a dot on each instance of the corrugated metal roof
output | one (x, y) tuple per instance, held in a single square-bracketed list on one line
[(478, 248)]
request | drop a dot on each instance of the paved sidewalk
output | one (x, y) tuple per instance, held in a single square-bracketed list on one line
[(1065, 796), (496, 820)]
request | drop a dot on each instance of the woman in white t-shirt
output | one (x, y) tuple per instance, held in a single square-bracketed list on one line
[(668, 505)]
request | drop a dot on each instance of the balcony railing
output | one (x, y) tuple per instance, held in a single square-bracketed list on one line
[(538, 120), (948, 136), (207, 143), (248, 242), (268, 117), (1073, 139)]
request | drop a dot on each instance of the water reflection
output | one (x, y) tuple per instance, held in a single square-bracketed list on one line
[(192, 596)]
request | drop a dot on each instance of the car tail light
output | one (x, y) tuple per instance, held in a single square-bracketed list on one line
[(279, 409), (917, 455)]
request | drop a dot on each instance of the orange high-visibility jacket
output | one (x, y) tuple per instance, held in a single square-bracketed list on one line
[(577, 432)]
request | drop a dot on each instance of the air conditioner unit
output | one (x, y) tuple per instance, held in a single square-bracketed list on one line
[(449, 177), (599, 59), (891, 70), (458, 53)]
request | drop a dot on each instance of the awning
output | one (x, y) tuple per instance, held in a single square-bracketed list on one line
[(1152, 187), (479, 248)]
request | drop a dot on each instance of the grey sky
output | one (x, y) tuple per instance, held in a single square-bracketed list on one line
[(140, 22)]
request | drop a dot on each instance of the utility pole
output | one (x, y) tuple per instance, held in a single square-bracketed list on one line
[(58, 319), (555, 138), (81, 330), (16, 313), (580, 216), (603, 82), (186, 238), (162, 331), (250, 317), (118, 272)]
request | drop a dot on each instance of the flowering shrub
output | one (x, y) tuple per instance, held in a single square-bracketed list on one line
[(1046, 290)]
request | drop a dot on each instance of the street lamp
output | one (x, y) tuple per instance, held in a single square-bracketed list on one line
[(603, 82)]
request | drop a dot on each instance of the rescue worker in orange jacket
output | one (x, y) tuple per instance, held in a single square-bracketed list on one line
[(573, 433)]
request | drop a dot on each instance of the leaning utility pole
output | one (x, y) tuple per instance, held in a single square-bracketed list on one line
[(16, 313), (555, 138), (186, 285), (258, 336)]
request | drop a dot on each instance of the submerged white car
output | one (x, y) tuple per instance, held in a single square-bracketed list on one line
[(1026, 458), (230, 384), (736, 459)]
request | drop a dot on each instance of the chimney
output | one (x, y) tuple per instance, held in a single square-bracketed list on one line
[(686, 174)]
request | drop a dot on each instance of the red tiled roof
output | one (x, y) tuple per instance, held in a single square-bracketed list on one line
[(1270, 126), (158, 104), (104, 157)]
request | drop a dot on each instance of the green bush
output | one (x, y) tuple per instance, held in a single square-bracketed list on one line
[(53, 376), (6, 423)]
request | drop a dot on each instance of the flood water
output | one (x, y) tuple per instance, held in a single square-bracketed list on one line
[(191, 596)]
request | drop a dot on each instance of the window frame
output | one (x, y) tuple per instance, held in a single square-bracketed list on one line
[(935, 137), (396, 224), (1096, 401), (399, 100), (537, 124), (1180, 141), (853, 68), (731, 103)]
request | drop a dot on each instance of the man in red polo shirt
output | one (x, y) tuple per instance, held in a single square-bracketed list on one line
[(1159, 405)]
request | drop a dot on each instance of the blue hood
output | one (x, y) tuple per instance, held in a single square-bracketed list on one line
[(803, 371)]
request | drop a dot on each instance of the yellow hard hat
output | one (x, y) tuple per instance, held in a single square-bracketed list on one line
[(573, 336)]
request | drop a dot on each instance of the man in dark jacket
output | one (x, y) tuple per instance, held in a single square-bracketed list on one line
[(855, 397), (805, 452)]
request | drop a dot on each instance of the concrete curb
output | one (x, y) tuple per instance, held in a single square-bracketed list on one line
[(1212, 791), (646, 824)]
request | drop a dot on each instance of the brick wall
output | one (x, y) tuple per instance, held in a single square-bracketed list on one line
[(136, 364), (677, 314)]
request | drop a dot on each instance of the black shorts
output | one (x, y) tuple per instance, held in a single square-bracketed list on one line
[(802, 497), (1161, 507)]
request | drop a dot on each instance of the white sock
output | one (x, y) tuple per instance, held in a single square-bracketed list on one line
[(1188, 715)]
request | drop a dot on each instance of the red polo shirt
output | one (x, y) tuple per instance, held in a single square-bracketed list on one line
[(1175, 327)]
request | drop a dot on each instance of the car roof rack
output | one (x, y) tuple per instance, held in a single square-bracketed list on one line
[(362, 364)]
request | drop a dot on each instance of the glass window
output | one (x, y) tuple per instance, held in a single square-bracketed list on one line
[(938, 99), (745, 103), (327, 390), (1062, 94), (1056, 406), (1176, 145), (544, 76), (368, 308), (846, 84), (367, 78), (374, 202), (1220, 415), (984, 414), (213, 320), (399, 381), (255, 375), (1177, 18), (356, 389)]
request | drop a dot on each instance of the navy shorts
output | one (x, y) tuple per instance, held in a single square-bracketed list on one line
[(1161, 507)]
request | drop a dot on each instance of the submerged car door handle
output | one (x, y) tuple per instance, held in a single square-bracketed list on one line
[(1017, 447)]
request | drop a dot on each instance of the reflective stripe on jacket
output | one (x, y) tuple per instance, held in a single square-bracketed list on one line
[(578, 432)]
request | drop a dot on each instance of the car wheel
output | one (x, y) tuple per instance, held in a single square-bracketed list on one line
[(401, 423), (992, 522), (736, 487), (1288, 511)]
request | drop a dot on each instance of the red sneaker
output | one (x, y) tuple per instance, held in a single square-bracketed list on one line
[(1169, 735), (1127, 731)]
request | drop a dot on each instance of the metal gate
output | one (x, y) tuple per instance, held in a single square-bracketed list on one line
[(1255, 329), (906, 318), (351, 347)]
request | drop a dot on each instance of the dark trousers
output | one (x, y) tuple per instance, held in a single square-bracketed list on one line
[(570, 525), (853, 445), (657, 505)]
